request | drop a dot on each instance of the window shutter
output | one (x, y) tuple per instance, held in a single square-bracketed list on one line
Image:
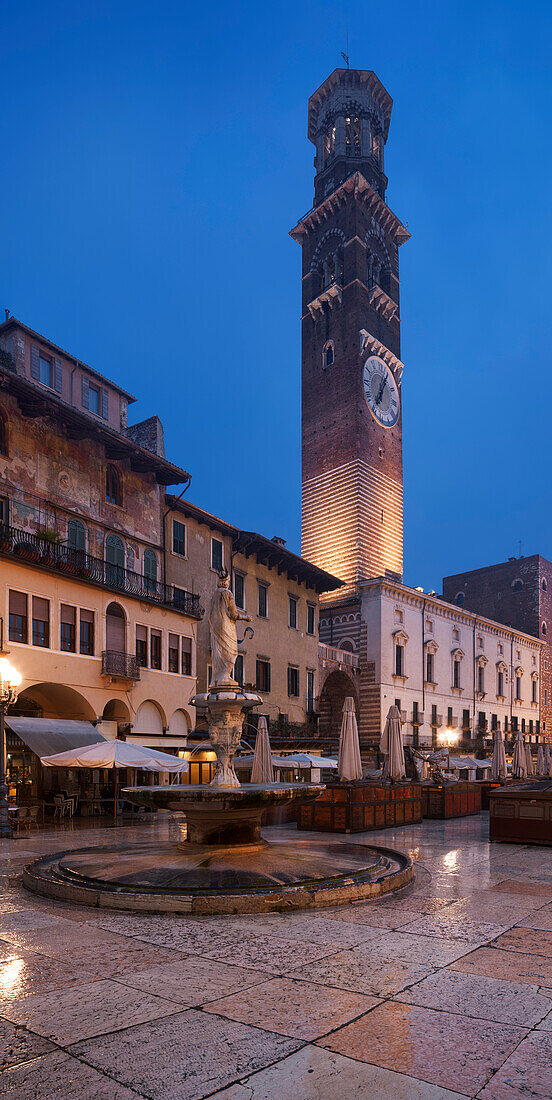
[(105, 405), (85, 392), (290, 674), (58, 375), (257, 673), (35, 362), (267, 676)]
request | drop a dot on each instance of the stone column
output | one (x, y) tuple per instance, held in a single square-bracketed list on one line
[(365, 137), (340, 136)]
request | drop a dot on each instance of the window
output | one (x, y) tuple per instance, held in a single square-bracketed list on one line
[(174, 654), (311, 618), (500, 649), (500, 687), (352, 137), (481, 720), (328, 355), (546, 697), (544, 584), (456, 673), (186, 656), (399, 660), (76, 535), (87, 632), (263, 601), (95, 399), (434, 715), (155, 649), (329, 143), (429, 668), (238, 669), (263, 675), (18, 617), (465, 719), (310, 691), (533, 691), (150, 570), (517, 585), (544, 628), (449, 717), (142, 646), (293, 612), (459, 599), (480, 679), (41, 622), (179, 538), (67, 626), (216, 554), (239, 591), (293, 681), (112, 485), (49, 372), (518, 686), (523, 725), (115, 559), (494, 722), (45, 367)]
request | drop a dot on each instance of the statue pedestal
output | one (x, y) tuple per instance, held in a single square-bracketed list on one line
[(226, 706)]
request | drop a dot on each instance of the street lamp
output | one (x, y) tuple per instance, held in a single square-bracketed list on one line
[(448, 737), (10, 680)]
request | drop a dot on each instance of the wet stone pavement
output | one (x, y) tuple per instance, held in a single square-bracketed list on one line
[(441, 991)]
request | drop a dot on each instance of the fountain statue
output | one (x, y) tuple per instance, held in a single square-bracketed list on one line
[(226, 723)]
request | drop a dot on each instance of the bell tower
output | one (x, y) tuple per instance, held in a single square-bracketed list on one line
[(352, 513)]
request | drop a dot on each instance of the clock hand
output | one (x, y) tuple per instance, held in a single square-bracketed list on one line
[(380, 391)]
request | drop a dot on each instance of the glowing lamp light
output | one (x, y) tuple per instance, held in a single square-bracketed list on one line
[(9, 676)]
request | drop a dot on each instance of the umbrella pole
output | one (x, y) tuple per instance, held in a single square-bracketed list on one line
[(115, 799)]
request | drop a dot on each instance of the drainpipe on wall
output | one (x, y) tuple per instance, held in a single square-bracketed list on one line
[(474, 672)]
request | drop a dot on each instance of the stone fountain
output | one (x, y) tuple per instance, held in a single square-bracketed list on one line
[(221, 864)]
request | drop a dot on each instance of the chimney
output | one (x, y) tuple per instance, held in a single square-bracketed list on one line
[(279, 540)]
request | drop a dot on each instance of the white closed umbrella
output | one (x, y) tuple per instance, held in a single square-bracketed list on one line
[(262, 770), (499, 768), (349, 764), (391, 746), (547, 762), (529, 755), (519, 763), (540, 761), (116, 754)]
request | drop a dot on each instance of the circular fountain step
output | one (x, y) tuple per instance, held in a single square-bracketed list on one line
[(157, 877)]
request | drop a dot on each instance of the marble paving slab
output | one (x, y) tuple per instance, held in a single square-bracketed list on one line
[(300, 1009), (426, 950), (483, 997), (440, 1047), (363, 971), (193, 980), (444, 924), (58, 1076), (18, 1045), (21, 975), (538, 918), (542, 892), (527, 1072), (316, 1074), (528, 940), (80, 1012), (506, 965), (184, 1057)]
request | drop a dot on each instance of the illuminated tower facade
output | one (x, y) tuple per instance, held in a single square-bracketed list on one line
[(352, 481)]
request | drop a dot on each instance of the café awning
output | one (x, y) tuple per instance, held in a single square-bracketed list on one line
[(46, 736)]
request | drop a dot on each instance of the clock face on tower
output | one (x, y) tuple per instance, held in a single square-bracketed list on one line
[(381, 391)]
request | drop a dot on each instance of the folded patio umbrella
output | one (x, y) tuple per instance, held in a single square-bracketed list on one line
[(540, 761), (519, 763), (262, 770), (529, 755), (499, 769), (116, 754), (547, 762), (392, 747), (349, 765)]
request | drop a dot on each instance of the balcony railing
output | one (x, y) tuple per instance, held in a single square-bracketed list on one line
[(123, 666), (76, 563), (340, 656)]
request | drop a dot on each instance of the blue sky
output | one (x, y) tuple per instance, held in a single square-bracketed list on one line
[(155, 158)]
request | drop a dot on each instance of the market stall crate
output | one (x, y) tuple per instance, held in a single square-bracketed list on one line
[(362, 806), (522, 813), (452, 800)]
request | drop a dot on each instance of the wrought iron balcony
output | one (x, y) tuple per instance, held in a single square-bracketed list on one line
[(122, 666), (60, 558)]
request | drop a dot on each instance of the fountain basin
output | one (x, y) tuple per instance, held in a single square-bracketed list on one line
[(225, 816)]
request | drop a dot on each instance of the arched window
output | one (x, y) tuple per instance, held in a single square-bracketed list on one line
[(328, 354), (115, 560), (3, 433), (150, 570), (130, 558), (517, 585), (544, 629), (329, 143), (544, 584), (76, 535), (112, 485), (115, 629), (459, 599)]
